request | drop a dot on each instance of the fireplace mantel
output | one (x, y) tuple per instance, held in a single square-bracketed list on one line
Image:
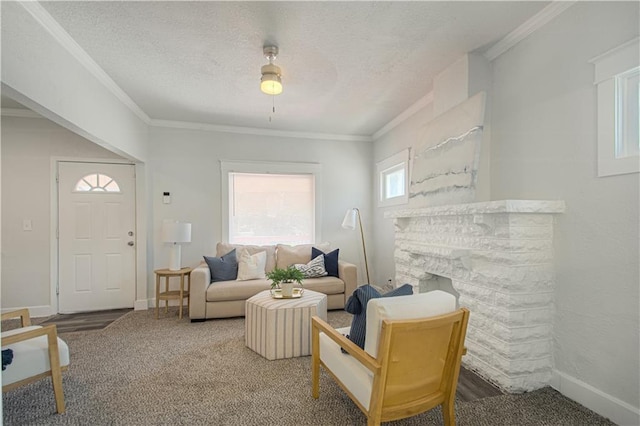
[(500, 206), (499, 258)]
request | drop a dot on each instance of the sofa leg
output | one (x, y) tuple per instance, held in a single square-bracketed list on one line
[(198, 319)]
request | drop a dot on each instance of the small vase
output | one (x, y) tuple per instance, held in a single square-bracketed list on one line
[(287, 289)]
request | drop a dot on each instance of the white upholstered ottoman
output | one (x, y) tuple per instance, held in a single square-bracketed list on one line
[(281, 328)]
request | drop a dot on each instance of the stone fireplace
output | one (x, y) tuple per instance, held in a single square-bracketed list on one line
[(498, 257)]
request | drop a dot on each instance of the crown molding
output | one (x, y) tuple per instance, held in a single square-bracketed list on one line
[(417, 106), (257, 131), (19, 112), (531, 25), (47, 21)]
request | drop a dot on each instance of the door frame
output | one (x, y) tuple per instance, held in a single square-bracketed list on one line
[(140, 301)]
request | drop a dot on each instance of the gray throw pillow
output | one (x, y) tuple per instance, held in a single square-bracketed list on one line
[(313, 269), (224, 268)]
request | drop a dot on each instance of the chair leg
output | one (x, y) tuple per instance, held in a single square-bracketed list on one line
[(315, 362), (448, 413), (58, 392), (315, 377), (56, 371)]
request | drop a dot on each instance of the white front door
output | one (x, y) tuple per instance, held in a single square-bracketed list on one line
[(96, 225)]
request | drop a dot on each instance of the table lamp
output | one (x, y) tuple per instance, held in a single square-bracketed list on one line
[(175, 233)]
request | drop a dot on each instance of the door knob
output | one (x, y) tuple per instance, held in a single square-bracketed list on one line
[(130, 243)]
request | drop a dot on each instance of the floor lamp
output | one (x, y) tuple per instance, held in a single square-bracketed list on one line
[(350, 218), (176, 233)]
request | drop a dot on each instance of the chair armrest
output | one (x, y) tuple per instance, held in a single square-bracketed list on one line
[(348, 272), (50, 331), (351, 348), (198, 283), (23, 314)]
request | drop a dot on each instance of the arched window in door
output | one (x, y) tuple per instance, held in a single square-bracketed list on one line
[(97, 182)]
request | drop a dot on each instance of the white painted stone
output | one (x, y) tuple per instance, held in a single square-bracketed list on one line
[(524, 232), (499, 257), (524, 365), (527, 300), (503, 244), (520, 334), (501, 206), (512, 258)]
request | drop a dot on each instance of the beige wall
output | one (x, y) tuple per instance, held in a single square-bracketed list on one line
[(28, 146)]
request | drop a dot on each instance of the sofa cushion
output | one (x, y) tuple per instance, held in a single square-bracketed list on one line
[(330, 260), (313, 269), (223, 268), (422, 305), (290, 255), (326, 285), (233, 290), (224, 248), (357, 305), (251, 266)]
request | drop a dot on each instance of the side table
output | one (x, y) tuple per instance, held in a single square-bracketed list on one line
[(172, 294)]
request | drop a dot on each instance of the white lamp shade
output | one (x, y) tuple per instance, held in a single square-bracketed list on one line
[(349, 221), (176, 232)]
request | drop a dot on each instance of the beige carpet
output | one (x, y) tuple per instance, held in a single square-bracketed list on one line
[(142, 371)]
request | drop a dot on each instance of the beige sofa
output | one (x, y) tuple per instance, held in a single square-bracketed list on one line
[(224, 299)]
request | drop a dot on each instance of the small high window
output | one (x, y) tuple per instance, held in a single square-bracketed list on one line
[(393, 174), (617, 77), (97, 182)]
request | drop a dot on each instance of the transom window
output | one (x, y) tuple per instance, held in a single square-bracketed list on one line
[(97, 182)]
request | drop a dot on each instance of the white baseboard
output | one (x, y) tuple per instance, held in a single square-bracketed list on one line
[(141, 305), (34, 311), (618, 411)]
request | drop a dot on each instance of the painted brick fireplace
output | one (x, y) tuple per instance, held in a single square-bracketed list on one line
[(499, 258)]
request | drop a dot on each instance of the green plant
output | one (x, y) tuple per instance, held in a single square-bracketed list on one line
[(279, 275)]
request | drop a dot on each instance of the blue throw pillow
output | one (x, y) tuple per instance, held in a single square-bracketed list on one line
[(7, 357), (330, 260), (357, 305), (223, 268)]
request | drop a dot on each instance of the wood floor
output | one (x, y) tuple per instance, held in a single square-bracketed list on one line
[(470, 386), (85, 321)]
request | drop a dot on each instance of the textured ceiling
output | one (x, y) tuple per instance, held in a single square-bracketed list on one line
[(348, 68)]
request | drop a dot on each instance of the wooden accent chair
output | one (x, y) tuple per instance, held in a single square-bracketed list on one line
[(411, 360), (38, 352)]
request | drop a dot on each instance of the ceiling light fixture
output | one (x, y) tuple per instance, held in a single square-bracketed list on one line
[(271, 82)]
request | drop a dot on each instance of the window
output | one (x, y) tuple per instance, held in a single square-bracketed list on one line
[(393, 178), (616, 76), (96, 182), (627, 136), (269, 203)]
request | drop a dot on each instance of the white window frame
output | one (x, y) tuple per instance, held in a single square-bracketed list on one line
[(389, 165), (608, 67), (230, 166)]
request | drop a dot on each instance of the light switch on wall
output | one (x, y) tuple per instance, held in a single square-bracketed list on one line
[(166, 198), (26, 225)]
